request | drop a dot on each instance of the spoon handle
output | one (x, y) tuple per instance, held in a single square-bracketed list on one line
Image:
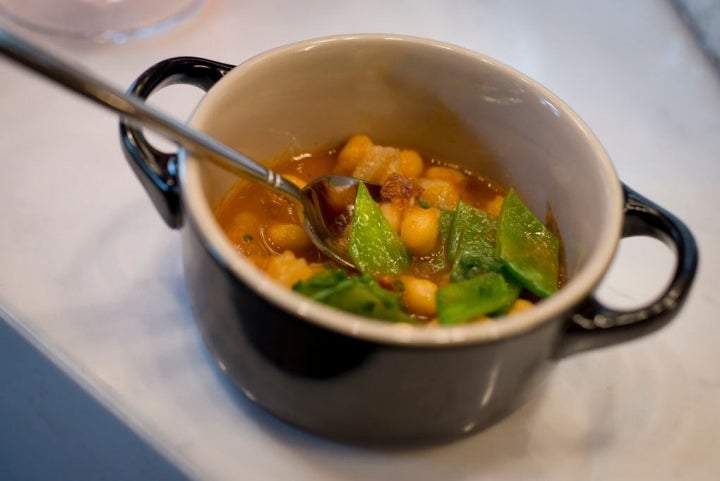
[(134, 110)]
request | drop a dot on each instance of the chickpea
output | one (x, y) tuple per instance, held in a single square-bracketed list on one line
[(393, 214), (284, 237), (419, 229), (419, 296), (449, 174), (244, 220), (299, 183), (494, 205), (439, 193), (520, 305), (243, 233), (411, 164), (352, 153)]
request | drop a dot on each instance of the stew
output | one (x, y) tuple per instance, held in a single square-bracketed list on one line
[(442, 246)]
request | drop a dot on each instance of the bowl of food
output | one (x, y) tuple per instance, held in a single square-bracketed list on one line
[(490, 216)]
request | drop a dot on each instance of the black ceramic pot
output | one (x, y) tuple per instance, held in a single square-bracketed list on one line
[(351, 378)]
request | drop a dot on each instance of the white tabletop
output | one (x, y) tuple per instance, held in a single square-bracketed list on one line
[(91, 275)]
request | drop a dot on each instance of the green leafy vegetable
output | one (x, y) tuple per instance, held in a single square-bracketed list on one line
[(490, 261), (528, 249), (374, 246), (322, 284), (439, 261), (358, 294), (466, 300), (471, 243)]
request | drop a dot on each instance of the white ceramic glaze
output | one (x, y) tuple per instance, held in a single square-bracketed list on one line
[(441, 99)]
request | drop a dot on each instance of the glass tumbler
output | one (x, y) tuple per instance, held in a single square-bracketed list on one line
[(115, 21)]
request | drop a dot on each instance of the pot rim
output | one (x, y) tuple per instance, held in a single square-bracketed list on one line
[(199, 215)]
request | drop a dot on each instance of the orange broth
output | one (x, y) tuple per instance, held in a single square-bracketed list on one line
[(249, 209)]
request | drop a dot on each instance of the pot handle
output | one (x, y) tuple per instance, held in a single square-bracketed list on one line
[(595, 325), (157, 170)]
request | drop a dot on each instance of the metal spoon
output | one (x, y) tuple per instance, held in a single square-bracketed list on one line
[(322, 218)]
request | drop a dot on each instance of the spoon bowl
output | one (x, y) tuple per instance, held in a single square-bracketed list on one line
[(328, 201)]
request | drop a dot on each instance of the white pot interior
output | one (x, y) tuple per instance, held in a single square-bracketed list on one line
[(441, 100)]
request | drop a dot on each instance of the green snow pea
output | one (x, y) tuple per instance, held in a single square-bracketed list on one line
[(463, 301), (359, 294), (528, 249), (374, 246), (471, 243)]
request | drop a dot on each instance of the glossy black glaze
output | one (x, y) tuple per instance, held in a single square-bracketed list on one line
[(595, 325), (157, 170), (351, 389), (362, 391), (365, 391)]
